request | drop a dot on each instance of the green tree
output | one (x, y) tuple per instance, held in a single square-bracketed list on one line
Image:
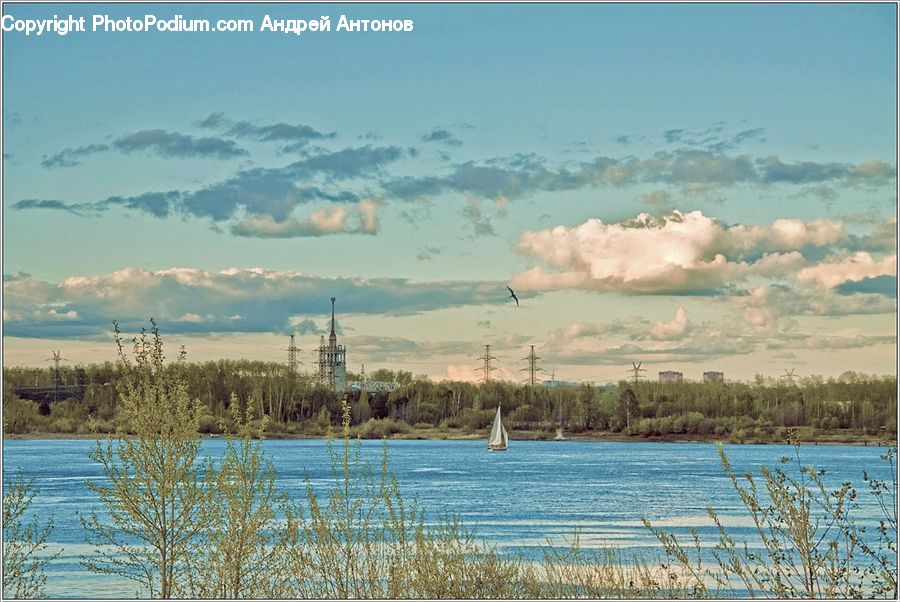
[(243, 551), (24, 544), (153, 497), (362, 411), (628, 406)]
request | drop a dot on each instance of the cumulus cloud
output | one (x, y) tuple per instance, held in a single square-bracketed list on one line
[(674, 330), (679, 253), (173, 144), (691, 253), (195, 300)]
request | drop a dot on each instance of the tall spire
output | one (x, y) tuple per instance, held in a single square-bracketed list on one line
[(332, 316)]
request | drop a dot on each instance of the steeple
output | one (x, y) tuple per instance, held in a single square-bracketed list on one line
[(332, 338)]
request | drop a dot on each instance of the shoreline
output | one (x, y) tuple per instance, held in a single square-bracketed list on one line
[(822, 438)]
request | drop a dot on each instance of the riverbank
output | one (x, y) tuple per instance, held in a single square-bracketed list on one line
[(802, 436)]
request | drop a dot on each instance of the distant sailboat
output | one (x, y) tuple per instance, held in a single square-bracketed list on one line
[(499, 440)]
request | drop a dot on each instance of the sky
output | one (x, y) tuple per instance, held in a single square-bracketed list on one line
[(691, 186)]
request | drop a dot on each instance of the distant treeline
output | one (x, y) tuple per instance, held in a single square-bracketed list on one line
[(294, 404)]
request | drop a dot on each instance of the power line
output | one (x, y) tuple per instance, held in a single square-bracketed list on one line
[(292, 356), (56, 359), (532, 368), (789, 376), (486, 368), (636, 372)]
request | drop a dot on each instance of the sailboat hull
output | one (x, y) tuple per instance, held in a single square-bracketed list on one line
[(497, 448)]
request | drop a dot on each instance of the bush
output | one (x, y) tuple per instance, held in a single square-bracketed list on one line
[(63, 425), (20, 415), (381, 428), (810, 544), (209, 424)]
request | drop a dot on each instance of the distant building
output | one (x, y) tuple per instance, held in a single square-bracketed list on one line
[(670, 376), (713, 377), (553, 384), (332, 360), (373, 386)]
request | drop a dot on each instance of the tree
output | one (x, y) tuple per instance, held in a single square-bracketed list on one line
[(628, 406), (24, 545), (243, 552), (362, 411), (155, 502)]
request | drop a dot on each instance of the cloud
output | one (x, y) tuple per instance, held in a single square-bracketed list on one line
[(693, 168), (657, 199), (70, 157), (298, 135), (48, 204), (856, 267), (369, 220), (442, 136), (266, 300), (307, 326), (481, 224), (882, 285), (678, 253), (173, 144), (674, 330), (428, 253), (267, 192), (774, 307), (328, 220)]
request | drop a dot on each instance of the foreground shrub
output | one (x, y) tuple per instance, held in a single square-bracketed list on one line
[(810, 546), (25, 554)]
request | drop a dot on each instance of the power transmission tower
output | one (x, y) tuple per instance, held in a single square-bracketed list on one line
[(532, 368), (56, 359), (292, 356), (486, 358), (636, 372), (789, 376)]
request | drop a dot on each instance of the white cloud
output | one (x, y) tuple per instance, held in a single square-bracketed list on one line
[(368, 215), (675, 253), (363, 219), (668, 331), (691, 253), (860, 265)]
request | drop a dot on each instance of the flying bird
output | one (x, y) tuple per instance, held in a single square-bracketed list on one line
[(513, 295)]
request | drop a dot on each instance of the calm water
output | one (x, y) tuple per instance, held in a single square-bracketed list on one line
[(516, 500)]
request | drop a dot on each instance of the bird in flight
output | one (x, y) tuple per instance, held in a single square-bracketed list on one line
[(513, 295)]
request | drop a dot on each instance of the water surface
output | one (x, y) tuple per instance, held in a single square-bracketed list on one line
[(517, 500)]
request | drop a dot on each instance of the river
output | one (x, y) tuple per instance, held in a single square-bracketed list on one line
[(519, 499)]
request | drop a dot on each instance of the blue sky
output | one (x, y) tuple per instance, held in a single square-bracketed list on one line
[(692, 186)]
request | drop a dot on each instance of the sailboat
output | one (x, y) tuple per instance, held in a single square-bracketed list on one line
[(499, 440)]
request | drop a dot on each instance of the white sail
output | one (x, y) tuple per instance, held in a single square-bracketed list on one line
[(499, 438)]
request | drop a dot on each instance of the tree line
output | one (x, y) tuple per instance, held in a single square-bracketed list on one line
[(293, 403)]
